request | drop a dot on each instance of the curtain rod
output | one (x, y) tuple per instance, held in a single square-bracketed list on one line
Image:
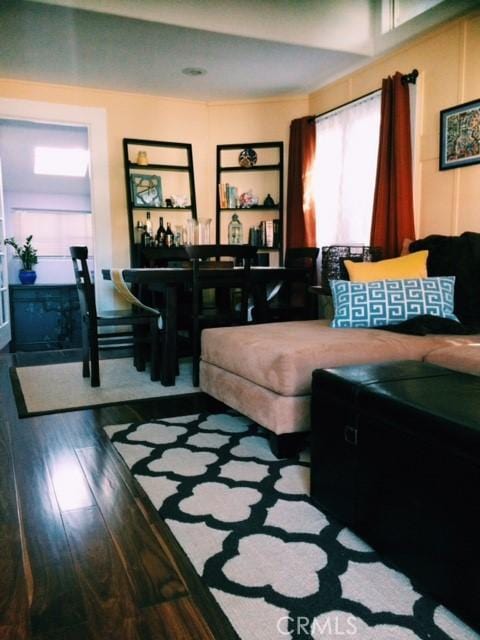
[(407, 78)]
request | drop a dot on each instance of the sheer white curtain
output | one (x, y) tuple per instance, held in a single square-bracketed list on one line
[(345, 170)]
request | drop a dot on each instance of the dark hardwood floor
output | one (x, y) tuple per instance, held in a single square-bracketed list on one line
[(83, 553)]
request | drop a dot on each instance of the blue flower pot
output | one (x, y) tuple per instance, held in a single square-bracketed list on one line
[(27, 276)]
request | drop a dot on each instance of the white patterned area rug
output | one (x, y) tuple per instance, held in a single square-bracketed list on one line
[(277, 566)]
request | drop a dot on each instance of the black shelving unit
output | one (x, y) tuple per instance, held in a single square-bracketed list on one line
[(269, 161), (168, 175)]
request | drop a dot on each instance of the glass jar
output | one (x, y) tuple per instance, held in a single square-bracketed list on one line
[(191, 232), (204, 230), (178, 235), (235, 230)]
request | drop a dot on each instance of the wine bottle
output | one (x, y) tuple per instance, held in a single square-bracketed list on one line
[(160, 237), (148, 225), (147, 238), (138, 232), (169, 237)]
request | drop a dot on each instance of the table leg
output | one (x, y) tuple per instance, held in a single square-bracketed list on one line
[(259, 293), (169, 351)]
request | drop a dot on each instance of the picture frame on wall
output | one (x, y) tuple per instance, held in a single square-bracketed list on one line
[(146, 190), (460, 135)]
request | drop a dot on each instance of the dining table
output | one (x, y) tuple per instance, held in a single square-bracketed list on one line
[(168, 280)]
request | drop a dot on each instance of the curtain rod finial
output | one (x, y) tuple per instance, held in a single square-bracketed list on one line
[(410, 78)]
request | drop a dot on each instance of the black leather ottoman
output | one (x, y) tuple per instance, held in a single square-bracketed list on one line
[(396, 456)]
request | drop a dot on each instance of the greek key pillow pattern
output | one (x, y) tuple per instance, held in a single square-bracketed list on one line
[(383, 302)]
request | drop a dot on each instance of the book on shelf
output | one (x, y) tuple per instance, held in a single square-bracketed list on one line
[(266, 234), (228, 196), (221, 196), (255, 237), (276, 233)]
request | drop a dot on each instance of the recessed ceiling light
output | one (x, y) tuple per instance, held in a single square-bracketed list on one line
[(194, 71)]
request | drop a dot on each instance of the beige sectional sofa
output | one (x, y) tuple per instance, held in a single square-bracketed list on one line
[(264, 371), (464, 356)]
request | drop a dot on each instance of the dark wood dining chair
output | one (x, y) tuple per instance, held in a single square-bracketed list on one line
[(227, 311), (144, 335), (293, 301)]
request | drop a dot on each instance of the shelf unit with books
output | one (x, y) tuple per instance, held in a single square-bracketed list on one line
[(250, 186), (159, 178)]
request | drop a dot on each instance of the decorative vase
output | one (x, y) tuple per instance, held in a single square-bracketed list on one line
[(27, 276), (142, 158), (204, 230)]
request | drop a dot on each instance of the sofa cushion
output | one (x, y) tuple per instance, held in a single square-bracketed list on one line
[(384, 302), (281, 356), (464, 358), (413, 265), (279, 414)]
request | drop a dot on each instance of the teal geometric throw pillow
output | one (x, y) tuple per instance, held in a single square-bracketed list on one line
[(383, 302)]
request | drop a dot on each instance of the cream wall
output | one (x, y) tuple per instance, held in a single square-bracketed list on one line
[(143, 116), (446, 202)]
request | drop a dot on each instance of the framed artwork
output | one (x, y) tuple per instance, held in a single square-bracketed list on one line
[(146, 190), (460, 135)]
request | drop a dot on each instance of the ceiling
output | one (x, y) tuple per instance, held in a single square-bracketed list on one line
[(251, 49)]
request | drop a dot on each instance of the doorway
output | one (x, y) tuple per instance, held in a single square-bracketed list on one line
[(95, 120), (40, 199)]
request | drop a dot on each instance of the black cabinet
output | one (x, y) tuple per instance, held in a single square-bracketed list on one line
[(44, 317), (159, 178)]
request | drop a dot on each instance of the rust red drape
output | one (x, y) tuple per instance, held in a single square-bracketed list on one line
[(392, 219), (300, 227)]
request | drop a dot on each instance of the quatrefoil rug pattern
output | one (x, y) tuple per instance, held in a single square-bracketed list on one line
[(277, 566)]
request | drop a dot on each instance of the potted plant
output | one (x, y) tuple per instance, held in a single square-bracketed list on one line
[(28, 256)]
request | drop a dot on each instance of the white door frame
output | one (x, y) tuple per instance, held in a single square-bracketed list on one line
[(5, 322), (95, 119)]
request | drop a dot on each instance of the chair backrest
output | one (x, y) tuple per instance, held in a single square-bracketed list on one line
[(85, 287), (305, 258), (244, 253), (163, 256)]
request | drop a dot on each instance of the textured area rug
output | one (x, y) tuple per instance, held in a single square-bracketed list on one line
[(277, 566), (60, 387)]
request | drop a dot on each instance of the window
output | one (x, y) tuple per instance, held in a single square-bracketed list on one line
[(397, 12), (345, 171), (53, 231)]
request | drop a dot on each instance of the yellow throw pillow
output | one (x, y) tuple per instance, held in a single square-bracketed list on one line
[(413, 265)]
